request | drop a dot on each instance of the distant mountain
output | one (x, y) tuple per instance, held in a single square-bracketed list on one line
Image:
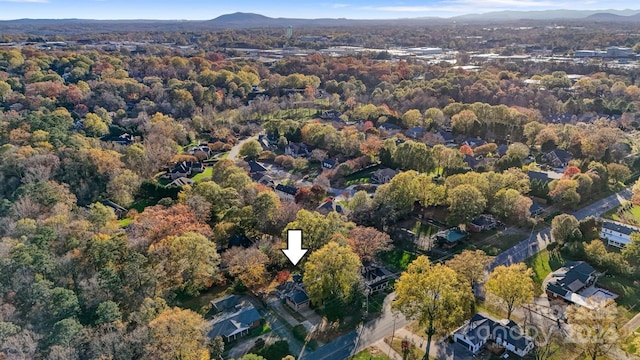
[(251, 20), (608, 17), (540, 15), (242, 20)]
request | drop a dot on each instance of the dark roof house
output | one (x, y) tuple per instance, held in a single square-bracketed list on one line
[(376, 278), (298, 298), (383, 176), (566, 282), (474, 143), (256, 167), (557, 158), (502, 150), (482, 223), (329, 205), (329, 163), (234, 324), (446, 136), (117, 209), (415, 132), (389, 127)]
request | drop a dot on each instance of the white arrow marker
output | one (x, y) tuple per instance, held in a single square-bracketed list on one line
[(294, 252)]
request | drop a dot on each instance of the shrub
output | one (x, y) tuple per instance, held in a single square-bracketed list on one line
[(299, 332)]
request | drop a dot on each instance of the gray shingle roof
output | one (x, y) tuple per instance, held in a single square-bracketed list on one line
[(619, 227)]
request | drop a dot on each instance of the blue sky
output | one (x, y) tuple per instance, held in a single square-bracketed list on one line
[(354, 9)]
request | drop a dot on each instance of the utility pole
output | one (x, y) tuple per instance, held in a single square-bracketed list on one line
[(392, 335)]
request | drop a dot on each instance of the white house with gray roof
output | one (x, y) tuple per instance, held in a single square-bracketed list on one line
[(617, 234)]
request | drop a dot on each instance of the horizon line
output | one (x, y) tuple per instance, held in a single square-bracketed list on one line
[(334, 18)]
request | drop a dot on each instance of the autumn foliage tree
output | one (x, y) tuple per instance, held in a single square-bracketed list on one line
[(187, 263), (178, 334), (331, 272), (512, 285), (466, 150), (247, 265), (158, 222), (367, 242)]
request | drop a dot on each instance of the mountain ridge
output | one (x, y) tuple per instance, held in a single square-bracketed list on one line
[(246, 20)]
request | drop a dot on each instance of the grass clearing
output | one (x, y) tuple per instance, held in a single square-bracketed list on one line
[(397, 259), (413, 352), (542, 264), (125, 222), (370, 353), (628, 289), (630, 216), (140, 205), (494, 242), (206, 174)]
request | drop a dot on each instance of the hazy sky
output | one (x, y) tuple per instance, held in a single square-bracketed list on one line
[(354, 9)]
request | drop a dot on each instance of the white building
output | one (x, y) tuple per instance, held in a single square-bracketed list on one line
[(615, 51), (475, 333), (617, 234)]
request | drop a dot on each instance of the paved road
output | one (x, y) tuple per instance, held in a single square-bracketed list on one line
[(540, 239), (363, 337), (233, 153)]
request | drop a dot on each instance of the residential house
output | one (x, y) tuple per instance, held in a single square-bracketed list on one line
[(180, 182), (557, 158), (389, 127), (568, 282), (383, 176), (474, 143), (297, 150), (617, 234), (331, 115), (536, 208), (329, 163), (415, 132), (262, 178), (124, 139), (471, 161), (235, 323), (481, 329), (447, 137), (256, 167), (117, 209), (561, 118), (543, 177), (225, 303), (201, 151), (502, 150), (286, 192), (450, 237), (265, 142), (330, 205), (482, 223), (376, 278), (185, 169), (297, 299)]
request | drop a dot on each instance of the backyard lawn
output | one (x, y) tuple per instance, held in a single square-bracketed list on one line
[(397, 259), (203, 175)]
